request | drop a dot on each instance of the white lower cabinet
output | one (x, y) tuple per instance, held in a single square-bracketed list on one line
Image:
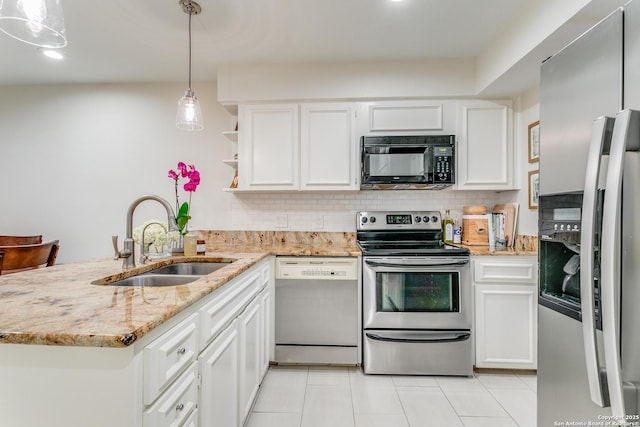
[(219, 371), (506, 306), (250, 330), (176, 404)]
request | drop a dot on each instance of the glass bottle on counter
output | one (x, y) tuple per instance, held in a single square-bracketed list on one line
[(190, 244), (447, 227)]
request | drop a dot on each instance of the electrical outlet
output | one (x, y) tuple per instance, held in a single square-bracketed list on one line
[(318, 222), (281, 220)]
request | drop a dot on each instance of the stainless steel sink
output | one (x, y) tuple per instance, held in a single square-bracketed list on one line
[(155, 280), (170, 275), (190, 268)]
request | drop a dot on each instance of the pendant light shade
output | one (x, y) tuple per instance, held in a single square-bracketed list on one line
[(37, 22), (189, 116)]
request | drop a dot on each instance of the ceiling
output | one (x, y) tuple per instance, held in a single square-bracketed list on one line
[(147, 40)]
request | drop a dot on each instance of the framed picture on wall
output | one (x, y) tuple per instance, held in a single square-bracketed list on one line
[(534, 142), (534, 189)]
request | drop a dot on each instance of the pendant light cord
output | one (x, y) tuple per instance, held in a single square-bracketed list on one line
[(190, 52)]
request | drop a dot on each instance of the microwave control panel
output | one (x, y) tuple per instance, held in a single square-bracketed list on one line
[(443, 164)]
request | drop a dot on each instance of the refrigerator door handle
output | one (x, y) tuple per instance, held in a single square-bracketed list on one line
[(600, 144), (625, 137)]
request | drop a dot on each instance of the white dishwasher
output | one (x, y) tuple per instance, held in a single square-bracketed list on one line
[(317, 310)]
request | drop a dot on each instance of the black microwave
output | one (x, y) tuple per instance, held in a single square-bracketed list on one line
[(419, 162)]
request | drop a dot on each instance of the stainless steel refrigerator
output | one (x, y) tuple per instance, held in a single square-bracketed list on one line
[(589, 227)]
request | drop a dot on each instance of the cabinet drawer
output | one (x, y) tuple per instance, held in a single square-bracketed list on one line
[(192, 421), (225, 307), (512, 271), (166, 357), (176, 404)]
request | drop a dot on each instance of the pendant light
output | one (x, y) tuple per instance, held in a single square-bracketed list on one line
[(189, 116), (37, 22)]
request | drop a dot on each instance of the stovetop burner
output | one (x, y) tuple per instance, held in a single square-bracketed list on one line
[(412, 233)]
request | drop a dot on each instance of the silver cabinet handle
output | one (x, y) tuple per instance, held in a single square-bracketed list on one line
[(179, 406), (600, 144), (182, 350)]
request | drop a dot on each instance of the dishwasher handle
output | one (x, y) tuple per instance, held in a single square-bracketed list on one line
[(420, 337)]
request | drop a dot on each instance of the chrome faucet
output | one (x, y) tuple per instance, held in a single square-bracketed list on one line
[(127, 253), (144, 257)]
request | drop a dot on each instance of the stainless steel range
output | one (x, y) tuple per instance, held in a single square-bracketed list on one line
[(417, 297)]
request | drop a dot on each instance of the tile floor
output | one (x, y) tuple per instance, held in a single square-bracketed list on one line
[(337, 397)]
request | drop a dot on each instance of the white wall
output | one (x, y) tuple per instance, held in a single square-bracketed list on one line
[(74, 157)]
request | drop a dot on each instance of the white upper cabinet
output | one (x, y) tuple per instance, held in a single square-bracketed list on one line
[(278, 150), (268, 147), (328, 147), (485, 145), (433, 117)]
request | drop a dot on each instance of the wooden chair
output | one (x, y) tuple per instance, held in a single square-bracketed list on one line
[(27, 257), (20, 240)]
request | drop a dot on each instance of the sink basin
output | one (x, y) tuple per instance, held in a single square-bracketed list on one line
[(191, 268), (155, 280)]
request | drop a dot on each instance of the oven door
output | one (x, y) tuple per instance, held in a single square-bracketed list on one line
[(417, 293)]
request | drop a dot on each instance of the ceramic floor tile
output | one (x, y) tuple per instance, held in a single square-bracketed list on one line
[(375, 399), (357, 377), (479, 403), (520, 404), (327, 406), (459, 383), (320, 375), (496, 381), (281, 392), (530, 380), (381, 420), (414, 381), (273, 419), (488, 422), (427, 407)]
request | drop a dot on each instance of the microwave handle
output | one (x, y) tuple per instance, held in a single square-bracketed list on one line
[(600, 144)]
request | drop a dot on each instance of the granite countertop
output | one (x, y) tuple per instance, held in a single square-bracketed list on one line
[(59, 305)]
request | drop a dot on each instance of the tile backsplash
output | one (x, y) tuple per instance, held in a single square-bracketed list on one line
[(336, 211)]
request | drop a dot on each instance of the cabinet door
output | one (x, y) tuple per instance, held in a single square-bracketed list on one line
[(219, 370), (249, 325), (268, 147), (329, 147), (266, 341), (506, 331), (485, 146)]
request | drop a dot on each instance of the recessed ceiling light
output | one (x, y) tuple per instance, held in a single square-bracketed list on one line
[(52, 53)]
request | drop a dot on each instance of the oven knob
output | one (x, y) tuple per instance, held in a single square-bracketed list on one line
[(418, 219), (372, 219), (364, 219), (434, 219), (425, 218)]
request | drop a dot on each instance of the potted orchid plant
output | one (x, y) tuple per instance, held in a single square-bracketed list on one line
[(182, 210)]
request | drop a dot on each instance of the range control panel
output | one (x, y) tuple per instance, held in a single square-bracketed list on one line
[(387, 220)]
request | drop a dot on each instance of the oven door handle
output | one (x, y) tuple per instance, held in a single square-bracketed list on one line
[(420, 337), (409, 263)]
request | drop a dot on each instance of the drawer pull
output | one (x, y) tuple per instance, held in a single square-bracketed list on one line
[(182, 350), (179, 406)]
